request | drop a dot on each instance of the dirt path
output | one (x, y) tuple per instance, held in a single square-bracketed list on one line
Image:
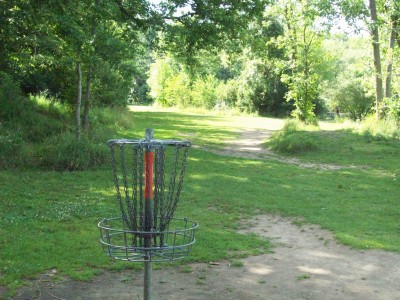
[(306, 262), (250, 145)]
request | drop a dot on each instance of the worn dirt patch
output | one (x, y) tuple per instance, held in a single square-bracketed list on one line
[(306, 263), (250, 145)]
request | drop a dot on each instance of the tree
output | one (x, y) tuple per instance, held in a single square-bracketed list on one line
[(377, 56), (349, 95), (382, 18), (192, 25), (393, 7), (301, 41)]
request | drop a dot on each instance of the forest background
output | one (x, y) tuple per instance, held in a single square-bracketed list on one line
[(64, 64)]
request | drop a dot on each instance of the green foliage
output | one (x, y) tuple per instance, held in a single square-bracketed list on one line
[(301, 42), (66, 153), (260, 89), (226, 93), (303, 91), (43, 137), (291, 139), (11, 142), (11, 100), (254, 87), (383, 129), (161, 72), (110, 87), (32, 119), (392, 108), (203, 92), (176, 91), (350, 97)]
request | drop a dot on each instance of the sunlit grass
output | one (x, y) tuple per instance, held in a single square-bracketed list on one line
[(348, 146)]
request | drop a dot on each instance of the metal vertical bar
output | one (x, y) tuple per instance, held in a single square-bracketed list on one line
[(147, 280)]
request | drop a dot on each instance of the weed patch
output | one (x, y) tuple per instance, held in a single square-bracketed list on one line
[(293, 139), (66, 153)]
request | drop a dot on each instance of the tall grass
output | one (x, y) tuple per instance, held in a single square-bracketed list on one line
[(40, 133), (365, 144), (380, 129), (292, 140), (66, 153)]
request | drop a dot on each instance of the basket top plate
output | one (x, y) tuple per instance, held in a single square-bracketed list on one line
[(147, 143)]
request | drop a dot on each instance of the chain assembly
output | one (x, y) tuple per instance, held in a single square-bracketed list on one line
[(148, 177)]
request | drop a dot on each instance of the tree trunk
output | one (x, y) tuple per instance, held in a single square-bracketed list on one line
[(89, 77), (377, 57), (392, 41), (86, 104), (78, 100)]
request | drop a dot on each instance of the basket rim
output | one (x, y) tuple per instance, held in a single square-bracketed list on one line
[(194, 225)]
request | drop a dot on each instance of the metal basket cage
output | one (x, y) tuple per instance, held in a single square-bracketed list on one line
[(120, 242)]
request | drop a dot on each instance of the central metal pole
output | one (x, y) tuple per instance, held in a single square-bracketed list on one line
[(147, 280), (148, 196)]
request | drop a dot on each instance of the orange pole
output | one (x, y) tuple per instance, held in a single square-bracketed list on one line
[(149, 172)]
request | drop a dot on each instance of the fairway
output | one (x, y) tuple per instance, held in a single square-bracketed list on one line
[(232, 178)]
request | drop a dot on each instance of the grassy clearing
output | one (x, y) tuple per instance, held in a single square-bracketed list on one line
[(48, 220), (350, 146)]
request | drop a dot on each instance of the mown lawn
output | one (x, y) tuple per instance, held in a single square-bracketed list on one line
[(48, 220)]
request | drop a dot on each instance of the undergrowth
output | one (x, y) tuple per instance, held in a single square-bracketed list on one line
[(365, 144), (38, 131), (292, 140)]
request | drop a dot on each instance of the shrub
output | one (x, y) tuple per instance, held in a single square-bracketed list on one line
[(226, 93), (293, 139), (10, 147), (392, 108), (176, 91), (378, 130), (66, 153), (11, 100), (350, 96), (204, 92)]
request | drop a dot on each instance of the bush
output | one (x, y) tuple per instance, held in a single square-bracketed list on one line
[(11, 100), (66, 153), (392, 108), (226, 93), (10, 147), (293, 139), (203, 92), (378, 130), (351, 98), (176, 91)]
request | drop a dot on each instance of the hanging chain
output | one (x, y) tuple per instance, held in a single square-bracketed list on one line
[(116, 184), (172, 180), (135, 186), (173, 201), (180, 183), (165, 201), (128, 212), (141, 186)]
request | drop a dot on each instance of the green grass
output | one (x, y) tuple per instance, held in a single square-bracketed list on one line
[(342, 147), (48, 220)]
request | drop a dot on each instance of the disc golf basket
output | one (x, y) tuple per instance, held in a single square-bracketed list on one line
[(148, 178)]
